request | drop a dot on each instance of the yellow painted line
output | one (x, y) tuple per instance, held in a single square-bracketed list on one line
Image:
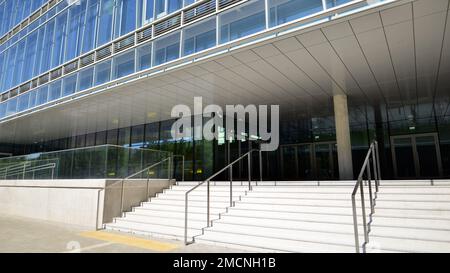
[(130, 241)]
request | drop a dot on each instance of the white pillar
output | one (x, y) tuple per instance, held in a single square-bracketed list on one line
[(344, 147)]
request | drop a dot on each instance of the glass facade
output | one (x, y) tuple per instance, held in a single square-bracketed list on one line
[(77, 29)]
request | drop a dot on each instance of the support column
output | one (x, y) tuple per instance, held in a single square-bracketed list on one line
[(344, 147)]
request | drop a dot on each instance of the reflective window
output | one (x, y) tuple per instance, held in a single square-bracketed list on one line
[(54, 91), (199, 37), (58, 43), (103, 72), (77, 14), (125, 17), (123, 65), (89, 28), (11, 107), (148, 10), (160, 8), (47, 49), (167, 49), (23, 102), (334, 3), (282, 11), (30, 54), (42, 95), (70, 85), (17, 76), (144, 57), (85, 79), (242, 21), (174, 5), (39, 50), (2, 110), (32, 101), (104, 31)]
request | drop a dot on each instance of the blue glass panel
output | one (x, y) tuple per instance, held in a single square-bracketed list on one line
[(11, 108), (334, 3), (125, 17), (39, 51), (199, 37), (70, 85), (85, 79), (17, 76), (3, 110), (103, 72), (105, 24), (242, 21), (160, 8), (149, 10), (58, 43), (23, 102), (89, 29), (123, 65), (47, 49), (175, 5), (54, 91), (77, 14), (188, 2), (42, 95), (30, 55), (282, 11), (167, 49), (32, 101), (8, 80), (144, 57)]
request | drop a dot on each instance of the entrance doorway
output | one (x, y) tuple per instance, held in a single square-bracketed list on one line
[(309, 161), (415, 156)]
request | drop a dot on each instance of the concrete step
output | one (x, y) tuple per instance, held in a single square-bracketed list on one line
[(383, 244), (285, 234), (148, 212), (175, 222), (264, 244), (157, 230), (177, 208)]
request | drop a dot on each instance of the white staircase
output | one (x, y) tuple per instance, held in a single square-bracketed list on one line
[(163, 216), (410, 216)]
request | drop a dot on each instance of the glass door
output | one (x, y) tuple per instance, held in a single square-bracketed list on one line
[(416, 156)]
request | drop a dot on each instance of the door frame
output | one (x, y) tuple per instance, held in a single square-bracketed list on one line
[(415, 152), (312, 157)]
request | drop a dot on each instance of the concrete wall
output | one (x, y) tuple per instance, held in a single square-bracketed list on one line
[(86, 203)]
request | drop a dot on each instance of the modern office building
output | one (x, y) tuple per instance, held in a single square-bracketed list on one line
[(92, 72), (81, 74)]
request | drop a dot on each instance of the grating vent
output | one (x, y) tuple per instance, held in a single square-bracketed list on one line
[(24, 24), (52, 3), (103, 53), (199, 11), (34, 83), (44, 9), (4, 96), (167, 24), (25, 87), (87, 60), (70, 67), (226, 3), (124, 44), (13, 93), (43, 79), (144, 35), (56, 73), (35, 16)]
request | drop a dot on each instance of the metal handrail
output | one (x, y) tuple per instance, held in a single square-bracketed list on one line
[(22, 172), (366, 169), (207, 181), (169, 173)]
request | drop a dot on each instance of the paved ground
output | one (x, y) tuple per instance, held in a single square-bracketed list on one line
[(35, 236)]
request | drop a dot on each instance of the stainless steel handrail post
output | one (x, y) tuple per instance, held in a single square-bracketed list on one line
[(369, 181), (260, 168), (363, 209), (249, 172), (378, 162), (355, 219), (186, 218), (208, 202), (122, 197)]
